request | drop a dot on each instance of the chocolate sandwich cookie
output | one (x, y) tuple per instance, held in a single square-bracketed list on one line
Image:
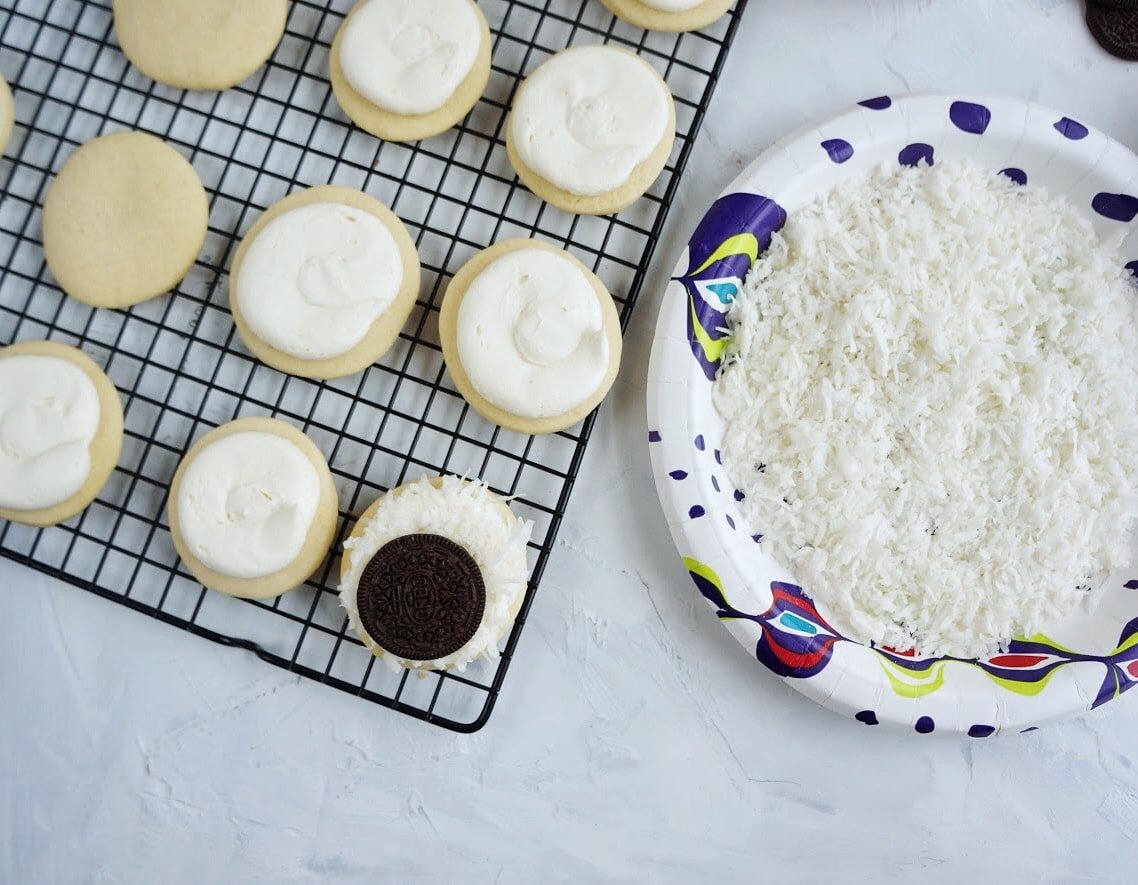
[(1114, 24), (421, 597)]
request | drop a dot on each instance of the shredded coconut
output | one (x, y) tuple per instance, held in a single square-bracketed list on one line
[(472, 516), (931, 402)]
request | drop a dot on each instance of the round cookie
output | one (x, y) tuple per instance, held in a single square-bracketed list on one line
[(433, 516), (448, 332), (383, 331), (124, 220), (1115, 27), (103, 449), (320, 532), (392, 126), (653, 18), (199, 44), (614, 200), (7, 114)]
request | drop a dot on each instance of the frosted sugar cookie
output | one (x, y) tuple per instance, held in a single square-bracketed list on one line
[(530, 336), (253, 508), (434, 574), (199, 44), (124, 220), (323, 282), (61, 425), (591, 129), (404, 70), (669, 15), (7, 114)]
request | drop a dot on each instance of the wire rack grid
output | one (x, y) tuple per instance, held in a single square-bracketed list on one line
[(181, 370)]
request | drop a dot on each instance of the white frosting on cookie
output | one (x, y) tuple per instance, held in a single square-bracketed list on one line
[(588, 117), (673, 5), (476, 519), (49, 414), (314, 279), (409, 56), (246, 503), (531, 336)]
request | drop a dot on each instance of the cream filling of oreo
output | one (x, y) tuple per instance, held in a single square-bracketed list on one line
[(315, 278), (49, 414), (410, 56), (588, 117), (472, 516), (531, 335), (246, 504)]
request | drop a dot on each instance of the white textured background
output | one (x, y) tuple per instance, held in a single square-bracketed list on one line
[(635, 740)]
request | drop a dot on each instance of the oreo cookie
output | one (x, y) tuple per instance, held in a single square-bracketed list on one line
[(421, 597), (1115, 27)]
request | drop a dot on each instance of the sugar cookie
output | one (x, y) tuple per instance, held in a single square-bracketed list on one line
[(124, 220), (323, 282), (253, 508), (530, 336), (199, 44), (669, 15), (405, 70), (434, 574), (591, 129), (7, 114), (61, 426)]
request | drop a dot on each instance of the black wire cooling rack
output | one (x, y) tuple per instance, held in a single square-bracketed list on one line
[(181, 370)]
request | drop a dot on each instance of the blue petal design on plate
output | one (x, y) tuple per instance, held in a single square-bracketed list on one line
[(925, 725), (1117, 207), (699, 443), (839, 149), (739, 496), (1071, 129), (868, 717), (756, 538), (730, 521), (653, 436), (969, 117), (715, 483), (981, 731), (678, 474), (915, 153), (881, 103), (718, 457), (1131, 585), (1016, 175), (696, 511), (1029, 728), (1133, 268)]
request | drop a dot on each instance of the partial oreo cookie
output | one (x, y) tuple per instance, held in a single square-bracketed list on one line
[(421, 597), (1115, 27)]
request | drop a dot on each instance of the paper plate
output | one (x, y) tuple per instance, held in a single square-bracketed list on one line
[(1090, 658)]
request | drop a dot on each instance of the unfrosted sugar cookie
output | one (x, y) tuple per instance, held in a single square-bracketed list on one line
[(405, 70), (669, 15), (323, 282), (7, 114), (591, 129), (61, 426), (253, 508), (530, 336), (124, 220), (199, 44), (434, 573)]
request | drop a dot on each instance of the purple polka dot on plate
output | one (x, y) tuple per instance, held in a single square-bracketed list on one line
[(969, 117), (696, 511), (678, 474), (653, 436), (756, 538), (718, 457), (839, 149), (1029, 728), (914, 154), (1133, 268), (1071, 129), (981, 731), (1016, 175), (715, 483), (1131, 585), (1117, 207), (699, 443), (925, 725), (739, 496), (868, 717), (730, 521), (877, 104)]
